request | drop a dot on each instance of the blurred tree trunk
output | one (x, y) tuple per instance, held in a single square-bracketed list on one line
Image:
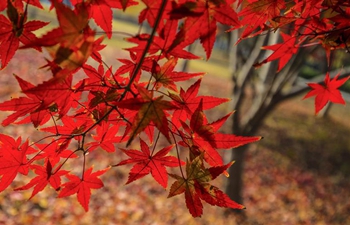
[(256, 92), (324, 113)]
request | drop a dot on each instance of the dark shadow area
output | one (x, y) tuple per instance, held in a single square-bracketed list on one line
[(320, 145)]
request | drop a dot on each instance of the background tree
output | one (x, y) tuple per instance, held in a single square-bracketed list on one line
[(257, 92)]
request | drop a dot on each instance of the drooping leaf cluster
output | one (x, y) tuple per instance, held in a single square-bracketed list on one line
[(141, 101)]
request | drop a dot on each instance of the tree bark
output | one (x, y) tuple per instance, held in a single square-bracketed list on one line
[(235, 183)]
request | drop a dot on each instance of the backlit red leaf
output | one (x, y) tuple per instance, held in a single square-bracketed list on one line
[(13, 159), (16, 30), (328, 92), (149, 110), (196, 186), (283, 51), (82, 186), (146, 162), (201, 22), (45, 175)]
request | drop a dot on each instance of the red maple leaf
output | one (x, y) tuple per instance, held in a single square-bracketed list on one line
[(196, 186), (73, 27), (283, 51), (36, 105), (188, 101), (14, 31), (13, 159), (96, 47), (54, 151), (165, 76), (101, 11), (327, 92), (106, 138), (146, 162), (82, 186), (256, 14), (72, 42), (59, 89), (129, 66), (123, 4), (3, 5), (149, 110), (19, 4), (96, 78), (46, 176), (70, 126), (162, 43), (204, 139), (151, 11), (52, 96), (201, 21)]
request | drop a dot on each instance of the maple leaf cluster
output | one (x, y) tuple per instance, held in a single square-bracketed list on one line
[(142, 99), (301, 23)]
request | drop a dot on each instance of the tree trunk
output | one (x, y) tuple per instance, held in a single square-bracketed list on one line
[(235, 183), (324, 113)]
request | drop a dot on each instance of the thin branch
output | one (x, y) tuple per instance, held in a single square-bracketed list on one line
[(148, 45)]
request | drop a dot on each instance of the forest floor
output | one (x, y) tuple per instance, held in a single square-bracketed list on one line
[(298, 174)]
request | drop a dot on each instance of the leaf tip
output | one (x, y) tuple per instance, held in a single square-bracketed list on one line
[(226, 174)]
